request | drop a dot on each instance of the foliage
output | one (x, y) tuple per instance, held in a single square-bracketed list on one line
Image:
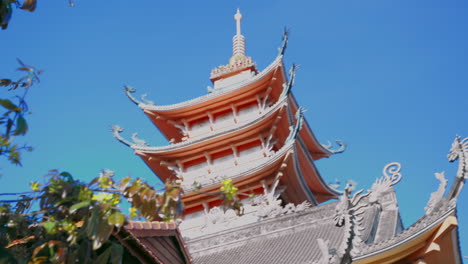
[(68, 221), (6, 9), (230, 196), (65, 220), (14, 110)]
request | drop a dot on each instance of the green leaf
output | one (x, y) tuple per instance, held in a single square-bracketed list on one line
[(104, 257), (50, 227), (102, 232), (117, 253), (116, 219), (21, 126), (9, 105), (78, 206)]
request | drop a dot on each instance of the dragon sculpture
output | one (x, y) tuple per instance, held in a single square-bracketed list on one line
[(129, 90), (349, 213), (116, 130), (459, 150)]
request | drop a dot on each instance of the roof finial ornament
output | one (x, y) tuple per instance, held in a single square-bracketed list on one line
[(238, 18), (238, 41), (238, 62)]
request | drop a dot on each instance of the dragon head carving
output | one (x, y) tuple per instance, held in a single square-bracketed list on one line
[(455, 149)]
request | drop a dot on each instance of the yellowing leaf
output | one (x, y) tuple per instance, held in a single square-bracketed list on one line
[(78, 206), (20, 241), (116, 219), (35, 186), (9, 105)]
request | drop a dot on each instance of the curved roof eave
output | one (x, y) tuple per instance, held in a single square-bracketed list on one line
[(326, 151), (300, 176), (223, 132), (322, 182), (302, 145), (161, 108)]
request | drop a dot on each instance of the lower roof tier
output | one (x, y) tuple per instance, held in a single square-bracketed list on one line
[(300, 180)]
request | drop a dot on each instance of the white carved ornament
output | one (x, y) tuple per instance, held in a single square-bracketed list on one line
[(391, 176), (437, 196)]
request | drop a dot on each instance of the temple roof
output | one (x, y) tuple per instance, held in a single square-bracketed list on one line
[(290, 238), (154, 242), (295, 238), (218, 95), (423, 228)]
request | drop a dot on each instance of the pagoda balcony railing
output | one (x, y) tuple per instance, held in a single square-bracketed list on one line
[(226, 121), (248, 164)]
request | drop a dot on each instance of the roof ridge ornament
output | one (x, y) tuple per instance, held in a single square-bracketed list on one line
[(138, 141), (342, 146), (349, 210), (292, 77), (129, 90), (391, 176), (116, 130), (294, 130), (459, 151), (437, 196), (148, 102), (285, 39)]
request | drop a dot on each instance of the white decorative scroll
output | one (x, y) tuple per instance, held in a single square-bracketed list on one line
[(216, 215), (391, 176), (177, 168)]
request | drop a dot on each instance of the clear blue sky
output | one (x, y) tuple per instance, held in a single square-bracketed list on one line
[(387, 77)]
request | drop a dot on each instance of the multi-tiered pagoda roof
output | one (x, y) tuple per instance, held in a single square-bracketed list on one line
[(242, 130), (251, 130)]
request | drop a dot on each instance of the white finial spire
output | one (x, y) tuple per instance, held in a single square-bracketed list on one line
[(238, 41), (238, 18), (240, 66)]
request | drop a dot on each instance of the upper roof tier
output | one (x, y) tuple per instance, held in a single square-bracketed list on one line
[(215, 98)]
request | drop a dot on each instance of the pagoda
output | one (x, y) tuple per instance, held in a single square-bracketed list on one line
[(250, 129), (247, 128)]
